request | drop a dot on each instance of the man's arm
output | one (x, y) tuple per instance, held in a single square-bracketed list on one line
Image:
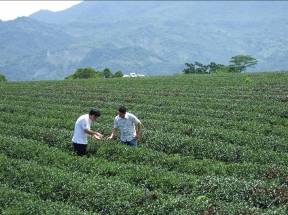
[(113, 134), (139, 127), (114, 130), (95, 134)]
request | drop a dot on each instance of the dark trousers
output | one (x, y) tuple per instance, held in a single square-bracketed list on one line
[(80, 149)]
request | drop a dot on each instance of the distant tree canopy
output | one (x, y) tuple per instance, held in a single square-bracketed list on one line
[(118, 74), (2, 78), (84, 73), (199, 68), (107, 73), (239, 63), (89, 72)]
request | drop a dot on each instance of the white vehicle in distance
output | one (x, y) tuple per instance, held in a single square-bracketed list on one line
[(133, 75)]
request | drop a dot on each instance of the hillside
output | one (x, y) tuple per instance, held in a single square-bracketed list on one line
[(211, 144), (153, 38), (25, 48)]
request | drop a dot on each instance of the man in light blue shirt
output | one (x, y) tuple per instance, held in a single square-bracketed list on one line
[(128, 125)]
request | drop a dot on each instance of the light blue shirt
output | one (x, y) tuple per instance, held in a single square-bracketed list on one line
[(126, 126)]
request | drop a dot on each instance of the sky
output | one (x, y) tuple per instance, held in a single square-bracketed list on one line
[(10, 10)]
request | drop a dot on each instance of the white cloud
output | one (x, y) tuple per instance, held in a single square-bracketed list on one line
[(12, 9)]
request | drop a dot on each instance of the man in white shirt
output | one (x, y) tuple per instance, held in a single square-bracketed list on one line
[(128, 125), (82, 130)]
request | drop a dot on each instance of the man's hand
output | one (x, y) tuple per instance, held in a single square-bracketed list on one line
[(113, 134), (98, 136), (110, 137)]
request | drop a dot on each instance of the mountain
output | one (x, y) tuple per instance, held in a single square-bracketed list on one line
[(153, 38), (25, 45)]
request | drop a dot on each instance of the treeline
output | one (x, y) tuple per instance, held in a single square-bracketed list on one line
[(90, 72), (238, 64), (2, 78)]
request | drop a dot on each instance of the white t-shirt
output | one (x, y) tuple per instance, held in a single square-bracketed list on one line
[(126, 126), (82, 123)]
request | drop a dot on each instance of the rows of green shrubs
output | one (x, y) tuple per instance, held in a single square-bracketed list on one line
[(211, 145), (29, 177), (14, 201)]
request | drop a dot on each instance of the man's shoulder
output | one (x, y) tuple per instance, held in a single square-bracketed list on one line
[(130, 115), (83, 117)]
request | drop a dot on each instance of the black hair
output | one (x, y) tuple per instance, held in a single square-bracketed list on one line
[(122, 109), (95, 112)]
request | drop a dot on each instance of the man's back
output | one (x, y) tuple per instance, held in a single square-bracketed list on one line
[(82, 123)]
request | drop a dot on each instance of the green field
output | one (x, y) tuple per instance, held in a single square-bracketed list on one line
[(211, 145)]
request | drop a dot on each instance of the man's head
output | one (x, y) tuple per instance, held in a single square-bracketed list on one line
[(122, 111), (94, 114)]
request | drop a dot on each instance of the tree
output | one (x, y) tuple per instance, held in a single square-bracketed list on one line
[(190, 69), (196, 68), (218, 68), (199, 68), (2, 78), (118, 74), (107, 73), (241, 62), (85, 73)]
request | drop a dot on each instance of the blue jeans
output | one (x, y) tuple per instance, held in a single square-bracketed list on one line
[(132, 142)]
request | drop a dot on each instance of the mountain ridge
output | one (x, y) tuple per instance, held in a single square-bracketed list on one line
[(154, 38)]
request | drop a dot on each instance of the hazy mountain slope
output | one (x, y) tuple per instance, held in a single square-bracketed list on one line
[(152, 37), (25, 42)]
